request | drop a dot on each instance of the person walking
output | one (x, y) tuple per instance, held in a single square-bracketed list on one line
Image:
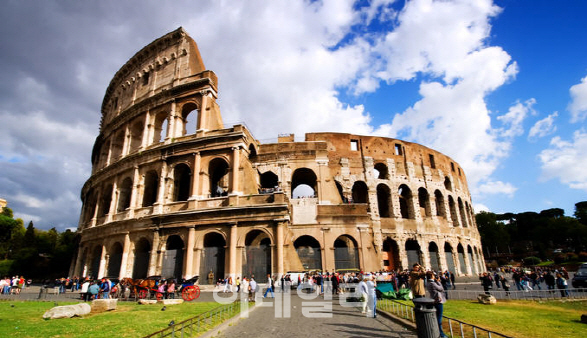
[(437, 293), (561, 283), (270, 285)]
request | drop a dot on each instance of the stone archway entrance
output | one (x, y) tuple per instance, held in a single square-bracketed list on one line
[(141, 263), (390, 255), (257, 255), (308, 250), (114, 260), (450, 262), (346, 253), (212, 259), (173, 258)]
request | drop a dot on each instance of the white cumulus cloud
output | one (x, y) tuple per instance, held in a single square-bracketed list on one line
[(578, 105), (543, 127), (566, 160)]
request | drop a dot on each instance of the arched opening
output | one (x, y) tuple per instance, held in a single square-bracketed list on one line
[(257, 255), (424, 202), (447, 184), (434, 257), (413, 252), (161, 129), (117, 145), (182, 182), (308, 250), (471, 263), (252, 151), (450, 262), (405, 202), (189, 118), (95, 262), (106, 200), (141, 263), (173, 258), (469, 213), (89, 206), (212, 258), (383, 200), (114, 260), (125, 191), (104, 153), (439, 200), (461, 256), (480, 260), (303, 183), (136, 136), (381, 171), (360, 192), (151, 188), (218, 173), (390, 255), (346, 253), (453, 211), (462, 212), (340, 192), (268, 182)]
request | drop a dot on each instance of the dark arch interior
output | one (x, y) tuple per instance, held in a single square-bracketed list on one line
[(182, 182), (218, 171), (360, 192), (303, 183)]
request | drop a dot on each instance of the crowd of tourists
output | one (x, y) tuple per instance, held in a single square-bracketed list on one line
[(526, 279), (14, 285)]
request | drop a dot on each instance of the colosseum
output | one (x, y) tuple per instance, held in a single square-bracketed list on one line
[(175, 192)]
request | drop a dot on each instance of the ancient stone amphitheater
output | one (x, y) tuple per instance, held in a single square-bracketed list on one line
[(175, 192)]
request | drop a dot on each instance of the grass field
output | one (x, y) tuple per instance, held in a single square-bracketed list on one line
[(523, 319), (129, 320)]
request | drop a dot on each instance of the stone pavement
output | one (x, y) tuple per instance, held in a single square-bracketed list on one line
[(338, 322)]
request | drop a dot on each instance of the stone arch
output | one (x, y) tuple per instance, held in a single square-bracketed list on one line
[(343, 199), (105, 201), (405, 202), (390, 255), (462, 212), (182, 182), (189, 117), (434, 256), (151, 190), (414, 252), (161, 127), (346, 253), (104, 150), (309, 252), (269, 180), (136, 136), (94, 267), (469, 210), (90, 205), (219, 178), (172, 266), (424, 202), (257, 254), (142, 253), (114, 260), (450, 262), (439, 200), (212, 256), (124, 194), (471, 260), (447, 183), (304, 183), (384, 200), (461, 256), (381, 171), (116, 146), (252, 151), (453, 211), (360, 192)]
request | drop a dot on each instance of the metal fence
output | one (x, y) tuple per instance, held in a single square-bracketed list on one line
[(573, 293), (451, 326), (201, 323)]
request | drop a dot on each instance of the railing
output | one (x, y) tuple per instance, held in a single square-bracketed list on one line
[(544, 294), (201, 323), (454, 327)]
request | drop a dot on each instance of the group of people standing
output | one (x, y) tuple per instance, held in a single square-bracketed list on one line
[(13, 285)]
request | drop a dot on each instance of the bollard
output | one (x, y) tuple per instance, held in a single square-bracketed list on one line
[(426, 322)]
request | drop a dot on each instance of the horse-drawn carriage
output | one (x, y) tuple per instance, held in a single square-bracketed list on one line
[(149, 287)]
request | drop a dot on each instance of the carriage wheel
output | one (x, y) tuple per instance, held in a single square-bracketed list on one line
[(190, 293), (159, 296), (142, 294)]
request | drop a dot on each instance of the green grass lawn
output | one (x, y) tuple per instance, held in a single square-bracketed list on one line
[(523, 319), (129, 320)]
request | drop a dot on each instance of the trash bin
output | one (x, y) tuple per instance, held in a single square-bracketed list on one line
[(426, 322)]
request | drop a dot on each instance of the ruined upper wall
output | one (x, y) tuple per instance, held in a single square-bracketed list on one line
[(170, 61)]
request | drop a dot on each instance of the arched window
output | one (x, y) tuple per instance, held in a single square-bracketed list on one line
[(117, 145), (439, 200), (405, 201), (462, 212), (252, 151), (151, 188), (189, 116), (268, 182), (182, 182), (360, 192), (447, 184), (303, 183), (218, 173), (106, 200), (104, 154), (471, 260), (453, 211), (136, 136), (383, 200), (381, 171), (125, 191), (160, 128), (424, 202)]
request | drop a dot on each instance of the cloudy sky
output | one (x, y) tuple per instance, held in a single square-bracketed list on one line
[(500, 86)]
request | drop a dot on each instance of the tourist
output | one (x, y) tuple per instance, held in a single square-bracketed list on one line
[(371, 297), (437, 293), (252, 289), (238, 284), (550, 281), (485, 282), (162, 289), (245, 285), (561, 283), (171, 289), (84, 291), (364, 291), (270, 285), (94, 289), (505, 284), (417, 281), (105, 288)]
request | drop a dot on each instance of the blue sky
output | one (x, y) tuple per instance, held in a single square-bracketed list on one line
[(498, 86)]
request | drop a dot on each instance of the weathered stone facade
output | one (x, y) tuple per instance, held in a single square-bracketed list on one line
[(173, 199)]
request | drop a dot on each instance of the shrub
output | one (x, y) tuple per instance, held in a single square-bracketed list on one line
[(532, 260)]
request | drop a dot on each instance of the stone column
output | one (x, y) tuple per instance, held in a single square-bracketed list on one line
[(102, 268), (154, 251), (113, 202), (78, 261), (109, 156), (403, 255), (232, 249), (202, 118), (196, 176), (147, 138), (126, 144), (96, 209), (171, 123), (161, 192), (279, 240), (124, 260), (189, 259), (235, 170), (197, 260), (467, 265), (136, 184), (426, 258)]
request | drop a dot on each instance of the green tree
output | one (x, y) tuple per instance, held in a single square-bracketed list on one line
[(581, 212)]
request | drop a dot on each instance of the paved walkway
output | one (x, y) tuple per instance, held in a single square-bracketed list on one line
[(335, 321)]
